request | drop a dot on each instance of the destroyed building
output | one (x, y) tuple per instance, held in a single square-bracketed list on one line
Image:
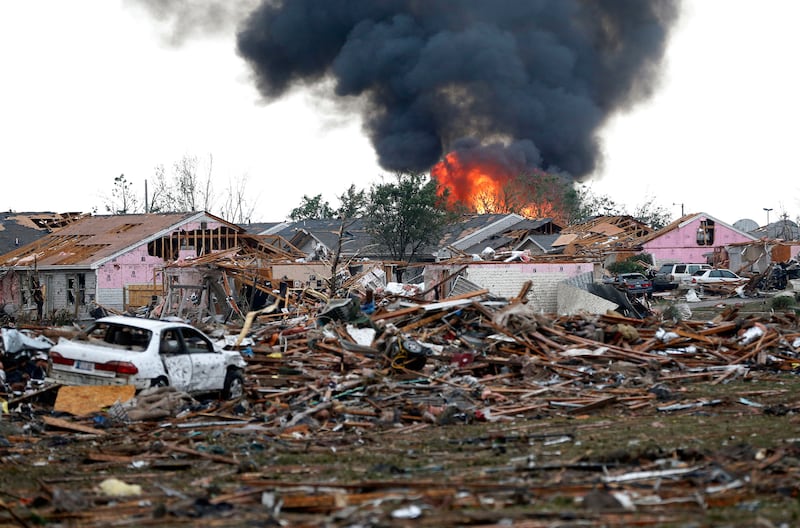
[(113, 261), (607, 239), (19, 229)]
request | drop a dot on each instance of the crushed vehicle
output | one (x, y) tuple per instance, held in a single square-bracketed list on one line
[(123, 350), (23, 360)]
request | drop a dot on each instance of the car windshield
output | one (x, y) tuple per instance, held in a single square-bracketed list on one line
[(117, 335), (699, 272)]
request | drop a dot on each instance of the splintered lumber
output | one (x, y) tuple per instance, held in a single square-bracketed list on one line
[(71, 426), (402, 312), (207, 456), (503, 330), (597, 404), (423, 322), (523, 292), (447, 278)]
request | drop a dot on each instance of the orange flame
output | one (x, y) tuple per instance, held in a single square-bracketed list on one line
[(475, 185), (486, 187)]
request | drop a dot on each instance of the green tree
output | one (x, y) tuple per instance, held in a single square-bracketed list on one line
[(311, 208), (589, 204), (654, 215), (352, 202), (406, 214)]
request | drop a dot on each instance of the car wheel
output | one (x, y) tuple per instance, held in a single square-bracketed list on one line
[(234, 385), (160, 381)]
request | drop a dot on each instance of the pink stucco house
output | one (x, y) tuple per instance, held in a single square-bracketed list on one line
[(103, 259), (696, 237)]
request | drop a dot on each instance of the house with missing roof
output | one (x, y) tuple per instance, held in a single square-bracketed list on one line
[(105, 260)]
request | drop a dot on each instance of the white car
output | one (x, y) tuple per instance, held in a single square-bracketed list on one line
[(120, 350), (716, 276)]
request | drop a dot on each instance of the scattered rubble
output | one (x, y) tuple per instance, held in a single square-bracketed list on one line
[(472, 374)]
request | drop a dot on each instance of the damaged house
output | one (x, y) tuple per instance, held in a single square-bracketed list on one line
[(19, 229), (106, 260), (605, 239), (491, 234), (696, 237), (563, 278)]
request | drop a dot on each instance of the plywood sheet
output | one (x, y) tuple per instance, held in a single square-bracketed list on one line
[(80, 400)]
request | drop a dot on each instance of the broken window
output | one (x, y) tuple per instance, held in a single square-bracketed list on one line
[(76, 288), (705, 233)]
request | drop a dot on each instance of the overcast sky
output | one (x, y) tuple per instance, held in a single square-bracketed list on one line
[(91, 90)]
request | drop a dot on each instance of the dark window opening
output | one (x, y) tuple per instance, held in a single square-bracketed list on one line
[(705, 233)]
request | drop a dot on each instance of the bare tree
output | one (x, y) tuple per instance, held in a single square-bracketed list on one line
[(236, 207), (159, 199), (123, 199), (185, 170), (188, 187)]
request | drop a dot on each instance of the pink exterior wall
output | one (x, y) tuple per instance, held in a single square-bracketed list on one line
[(137, 267), (680, 245), (134, 267), (9, 289)]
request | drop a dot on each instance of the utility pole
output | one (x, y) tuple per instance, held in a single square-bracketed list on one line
[(768, 209)]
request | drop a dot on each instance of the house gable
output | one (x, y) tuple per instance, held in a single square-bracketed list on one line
[(692, 238)]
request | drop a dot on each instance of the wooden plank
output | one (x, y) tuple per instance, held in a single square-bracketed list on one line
[(411, 310), (66, 424)]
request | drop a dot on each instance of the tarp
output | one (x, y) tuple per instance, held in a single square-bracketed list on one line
[(15, 341)]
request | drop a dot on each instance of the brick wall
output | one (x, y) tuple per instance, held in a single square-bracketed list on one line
[(507, 279)]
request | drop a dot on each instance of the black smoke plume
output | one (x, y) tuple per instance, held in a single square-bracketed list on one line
[(433, 74)]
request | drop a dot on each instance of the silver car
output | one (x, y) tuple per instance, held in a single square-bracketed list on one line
[(119, 350)]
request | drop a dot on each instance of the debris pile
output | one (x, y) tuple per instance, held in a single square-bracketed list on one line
[(333, 382)]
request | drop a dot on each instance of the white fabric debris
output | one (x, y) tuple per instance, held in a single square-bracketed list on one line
[(751, 334), (664, 336)]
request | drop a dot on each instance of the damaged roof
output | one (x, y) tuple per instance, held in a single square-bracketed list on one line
[(602, 234), (20, 229), (95, 238), (355, 237), (471, 233)]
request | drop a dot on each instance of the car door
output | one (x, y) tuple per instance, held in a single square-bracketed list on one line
[(208, 365), (177, 361)]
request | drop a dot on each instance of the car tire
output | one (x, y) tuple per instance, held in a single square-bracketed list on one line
[(233, 388), (160, 381)]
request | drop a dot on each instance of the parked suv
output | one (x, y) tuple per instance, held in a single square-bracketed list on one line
[(669, 276)]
